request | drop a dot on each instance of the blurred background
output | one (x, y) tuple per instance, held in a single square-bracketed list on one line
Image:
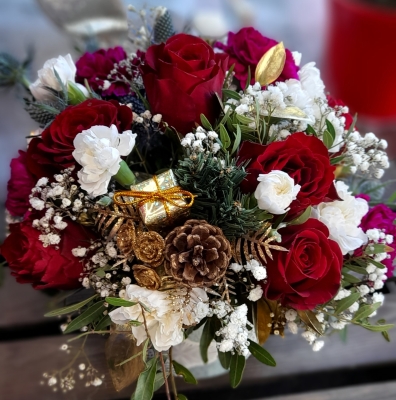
[(353, 42)]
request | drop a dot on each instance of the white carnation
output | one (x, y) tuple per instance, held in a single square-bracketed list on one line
[(343, 219), (169, 313), (275, 192), (99, 150), (66, 70)]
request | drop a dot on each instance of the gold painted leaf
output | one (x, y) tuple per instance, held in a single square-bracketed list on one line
[(263, 321), (291, 113), (271, 65), (309, 319), (121, 346)]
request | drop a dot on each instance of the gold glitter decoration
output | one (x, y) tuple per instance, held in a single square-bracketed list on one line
[(149, 248), (256, 245), (271, 65), (146, 277), (160, 200), (290, 112), (126, 238)]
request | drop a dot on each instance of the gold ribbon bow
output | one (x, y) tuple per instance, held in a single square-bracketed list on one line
[(165, 196)]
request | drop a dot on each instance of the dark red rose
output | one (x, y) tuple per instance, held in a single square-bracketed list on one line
[(95, 68), (310, 272), (304, 158), (19, 186), (52, 152), (334, 103), (181, 78), (45, 267), (246, 48), (382, 217)]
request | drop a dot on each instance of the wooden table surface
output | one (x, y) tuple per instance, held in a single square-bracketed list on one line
[(30, 344)]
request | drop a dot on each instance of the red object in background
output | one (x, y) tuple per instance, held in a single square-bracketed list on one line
[(360, 60)]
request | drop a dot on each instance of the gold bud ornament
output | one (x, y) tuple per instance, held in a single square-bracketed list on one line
[(271, 65)]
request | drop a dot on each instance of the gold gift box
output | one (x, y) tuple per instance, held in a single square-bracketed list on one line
[(154, 214)]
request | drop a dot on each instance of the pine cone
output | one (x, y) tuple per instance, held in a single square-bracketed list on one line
[(197, 253)]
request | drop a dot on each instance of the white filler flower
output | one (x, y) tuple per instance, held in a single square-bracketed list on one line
[(66, 71), (99, 150), (343, 219), (169, 312), (275, 192)]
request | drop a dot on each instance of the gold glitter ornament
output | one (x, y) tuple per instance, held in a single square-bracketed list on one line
[(271, 65), (146, 277), (149, 248), (126, 238)]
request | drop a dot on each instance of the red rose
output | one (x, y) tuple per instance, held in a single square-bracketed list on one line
[(304, 158), (95, 68), (310, 272), (45, 267), (19, 186), (246, 48), (181, 78), (52, 152)]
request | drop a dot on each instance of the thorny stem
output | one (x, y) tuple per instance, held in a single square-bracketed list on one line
[(168, 396), (172, 377)]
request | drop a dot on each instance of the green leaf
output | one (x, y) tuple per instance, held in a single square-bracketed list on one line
[(237, 367), (88, 316), (118, 302), (147, 309), (249, 78), (385, 334), (184, 372), (76, 96), (71, 308), (208, 335), (345, 303), (376, 263), (311, 130), (231, 94), (244, 120), (336, 160), (302, 218), (145, 384), (377, 248), (378, 328), (238, 138), (225, 359), (343, 334), (350, 278), (224, 137), (159, 380), (62, 85), (135, 323), (365, 311), (327, 139), (181, 397), (205, 123), (354, 268), (331, 129), (261, 354), (103, 323)]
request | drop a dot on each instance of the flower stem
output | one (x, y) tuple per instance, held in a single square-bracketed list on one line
[(172, 377), (125, 176), (168, 396)]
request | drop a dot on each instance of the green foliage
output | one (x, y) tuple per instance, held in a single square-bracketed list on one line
[(225, 359), (90, 315), (146, 381), (261, 354), (12, 71), (184, 372), (237, 366), (219, 200), (118, 302), (208, 334), (70, 309)]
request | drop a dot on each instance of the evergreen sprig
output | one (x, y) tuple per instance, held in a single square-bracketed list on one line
[(216, 184)]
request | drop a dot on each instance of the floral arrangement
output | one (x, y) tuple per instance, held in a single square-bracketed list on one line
[(195, 186)]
